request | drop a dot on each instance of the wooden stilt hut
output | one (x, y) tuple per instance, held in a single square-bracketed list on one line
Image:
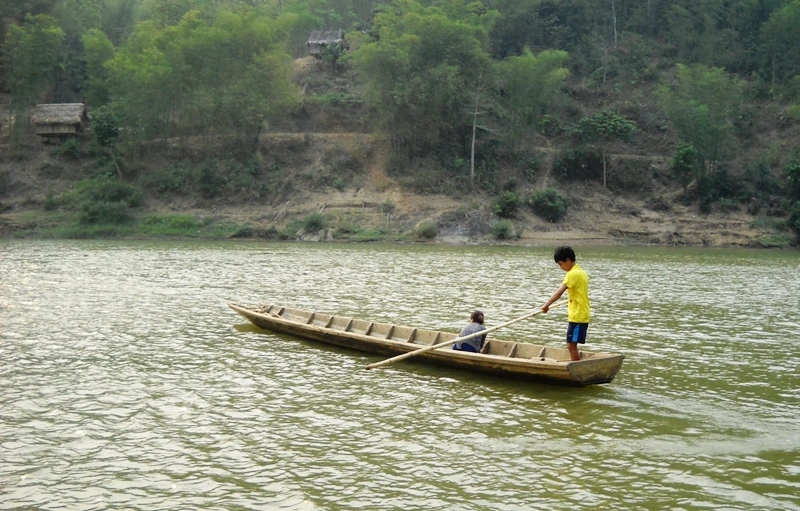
[(59, 120), (320, 39)]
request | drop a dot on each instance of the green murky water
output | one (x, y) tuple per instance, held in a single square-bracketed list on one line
[(126, 382)]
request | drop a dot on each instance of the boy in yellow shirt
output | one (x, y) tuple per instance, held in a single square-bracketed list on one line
[(577, 283)]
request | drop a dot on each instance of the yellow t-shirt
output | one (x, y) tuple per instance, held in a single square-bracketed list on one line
[(577, 283)]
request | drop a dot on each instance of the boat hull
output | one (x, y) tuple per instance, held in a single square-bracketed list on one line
[(503, 358)]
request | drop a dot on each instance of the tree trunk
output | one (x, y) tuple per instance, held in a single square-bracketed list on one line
[(474, 131), (614, 17), (114, 159), (472, 149), (604, 168)]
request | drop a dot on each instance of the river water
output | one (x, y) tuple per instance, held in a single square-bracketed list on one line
[(127, 383)]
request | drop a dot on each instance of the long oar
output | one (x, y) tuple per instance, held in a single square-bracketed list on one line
[(458, 339)]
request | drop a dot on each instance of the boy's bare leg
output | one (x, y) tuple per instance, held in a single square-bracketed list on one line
[(573, 351)]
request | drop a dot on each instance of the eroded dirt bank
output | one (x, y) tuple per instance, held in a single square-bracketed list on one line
[(596, 216)]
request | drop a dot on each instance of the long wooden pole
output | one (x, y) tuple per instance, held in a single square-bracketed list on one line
[(457, 339)]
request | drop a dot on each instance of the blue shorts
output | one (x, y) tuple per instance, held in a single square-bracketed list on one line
[(576, 332), (462, 346)]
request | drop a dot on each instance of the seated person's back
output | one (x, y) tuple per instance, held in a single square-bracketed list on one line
[(474, 344)]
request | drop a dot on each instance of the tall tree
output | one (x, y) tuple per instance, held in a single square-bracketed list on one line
[(420, 67), (701, 107), (31, 54), (98, 51), (214, 72), (781, 35), (604, 128), (528, 84)]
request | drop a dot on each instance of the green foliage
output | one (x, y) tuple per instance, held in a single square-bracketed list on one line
[(793, 180), (427, 230), (506, 205), (368, 235), (726, 205), (100, 200), (421, 67), (219, 71), (105, 212), (577, 165), (314, 222), (31, 53), (107, 189), (782, 41), (171, 180), (387, 207), (528, 84), (502, 229), (685, 163), (210, 181), (5, 182), (331, 53), (548, 204), (794, 218), (170, 225), (769, 222), (604, 127), (793, 114), (701, 109), (776, 241), (105, 126), (98, 51), (70, 148), (716, 186)]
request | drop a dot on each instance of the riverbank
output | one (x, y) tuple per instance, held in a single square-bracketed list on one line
[(342, 178)]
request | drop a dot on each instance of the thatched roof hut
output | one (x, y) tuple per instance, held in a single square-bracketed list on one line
[(322, 38), (61, 119)]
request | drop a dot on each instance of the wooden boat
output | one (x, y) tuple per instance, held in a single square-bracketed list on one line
[(517, 360)]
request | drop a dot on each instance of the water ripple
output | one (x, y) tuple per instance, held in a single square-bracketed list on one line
[(126, 383)]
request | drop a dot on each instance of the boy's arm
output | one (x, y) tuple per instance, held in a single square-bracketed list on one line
[(556, 296)]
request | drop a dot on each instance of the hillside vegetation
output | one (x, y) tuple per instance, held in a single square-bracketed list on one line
[(666, 122)]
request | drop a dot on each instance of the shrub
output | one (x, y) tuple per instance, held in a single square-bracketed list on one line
[(107, 189), (314, 222), (548, 204), (209, 181), (793, 113), (793, 180), (506, 205), (684, 163), (578, 165), (70, 149), (173, 221), (768, 222), (426, 230), (339, 184), (387, 207), (171, 180), (5, 182), (776, 241), (794, 218), (502, 229), (105, 126), (531, 166), (104, 212), (369, 235), (726, 205)]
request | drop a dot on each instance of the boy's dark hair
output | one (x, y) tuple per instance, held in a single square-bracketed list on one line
[(477, 317), (564, 253)]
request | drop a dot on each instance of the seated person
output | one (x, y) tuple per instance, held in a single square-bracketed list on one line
[(476, 343)]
